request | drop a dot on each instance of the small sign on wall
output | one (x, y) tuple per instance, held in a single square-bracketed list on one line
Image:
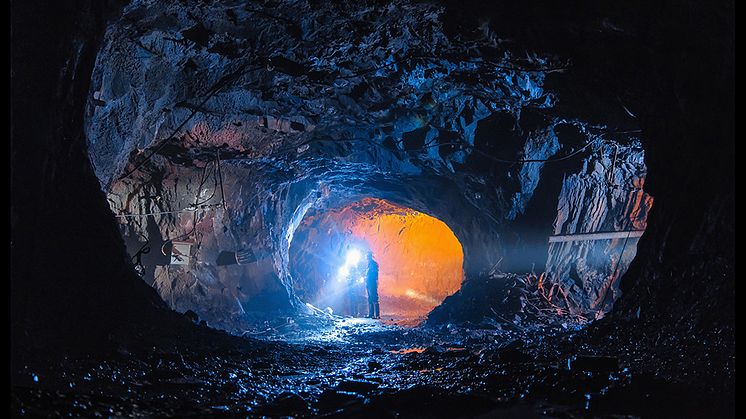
[(180, 253)]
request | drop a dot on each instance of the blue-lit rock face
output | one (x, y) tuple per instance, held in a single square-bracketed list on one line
[(605, 196), (312, 105), (296, 73)]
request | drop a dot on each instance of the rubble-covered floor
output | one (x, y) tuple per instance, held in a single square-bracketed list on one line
[(347, 367)]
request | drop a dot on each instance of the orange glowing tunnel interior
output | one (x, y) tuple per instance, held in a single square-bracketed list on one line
[(420, 259)]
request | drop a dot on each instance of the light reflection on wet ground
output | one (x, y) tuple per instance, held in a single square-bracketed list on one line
[(351, 367)]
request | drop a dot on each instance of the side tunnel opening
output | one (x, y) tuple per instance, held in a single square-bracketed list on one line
[(420, 259)]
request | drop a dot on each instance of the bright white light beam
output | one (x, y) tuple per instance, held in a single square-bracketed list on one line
[(353, 257)]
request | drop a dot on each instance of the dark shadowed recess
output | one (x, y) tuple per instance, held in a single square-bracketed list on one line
[(73, 288), (669, 64)]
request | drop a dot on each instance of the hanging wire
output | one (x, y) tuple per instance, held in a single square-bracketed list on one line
[(224, 81), (137, 257), (466, 146), (214, 187), (220, 176)]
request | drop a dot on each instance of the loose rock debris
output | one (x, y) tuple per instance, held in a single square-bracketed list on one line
[(368, 370)]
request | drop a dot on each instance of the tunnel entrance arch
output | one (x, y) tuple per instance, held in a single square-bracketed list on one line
[(420, 259)]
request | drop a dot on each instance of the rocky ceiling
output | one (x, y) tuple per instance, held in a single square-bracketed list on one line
[(221, 125)]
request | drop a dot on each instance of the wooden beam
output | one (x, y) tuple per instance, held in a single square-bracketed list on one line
[(604, 235)]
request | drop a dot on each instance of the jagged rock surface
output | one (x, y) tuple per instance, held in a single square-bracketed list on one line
[(606, 196), (310, 105)]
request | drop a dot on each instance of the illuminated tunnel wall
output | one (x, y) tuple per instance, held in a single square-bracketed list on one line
[(260, 154), (420, 259)]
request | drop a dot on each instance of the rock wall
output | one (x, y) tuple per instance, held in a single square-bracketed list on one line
[(606, 196), (311, 105)]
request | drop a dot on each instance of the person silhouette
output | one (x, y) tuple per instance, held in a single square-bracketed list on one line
[(371, 285)]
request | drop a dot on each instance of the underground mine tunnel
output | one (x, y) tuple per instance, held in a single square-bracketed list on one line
[(374, 209), (421, 261)]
